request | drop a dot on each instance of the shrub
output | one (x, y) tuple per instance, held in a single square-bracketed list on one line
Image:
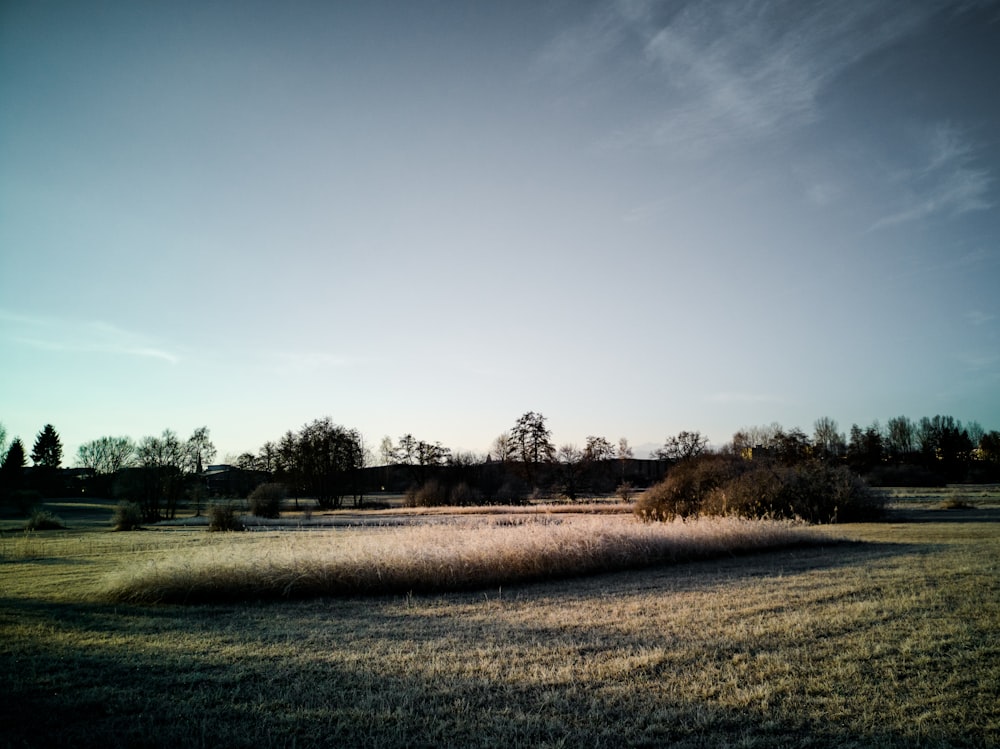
[(430, 494), (127, 516), (812, 491), (463, 495), (686, 487), (513, 491), (43, 520), (625, 491), (265, 501), (222, 516)]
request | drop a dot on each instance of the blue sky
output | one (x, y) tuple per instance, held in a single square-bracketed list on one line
[(431, 217)]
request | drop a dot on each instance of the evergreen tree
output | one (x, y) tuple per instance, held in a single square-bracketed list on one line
[(12, 469), (47, 452), (47, 457)]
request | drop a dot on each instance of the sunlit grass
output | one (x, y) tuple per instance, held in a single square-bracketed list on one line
[(888, 642), (467, 553)]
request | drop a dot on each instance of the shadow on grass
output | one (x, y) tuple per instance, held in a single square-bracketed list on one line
[(365, 672), (936, 514)]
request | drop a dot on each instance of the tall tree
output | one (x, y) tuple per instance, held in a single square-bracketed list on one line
[(47, 457), (625, 454), (407, 449), (432, 455), (106, 455), (827, 439), (989, 447), (945, 445), (685, 445), (793, 446), (598, 449), (12, 468), (532, 444), (158, 484), (502, 448), (865, 449), (267, 458), (329, 458), (47, 452), (386, 451), (571, 470), (165, 451), (900, 437), (199, 451)]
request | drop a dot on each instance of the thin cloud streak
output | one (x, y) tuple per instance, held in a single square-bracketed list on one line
[(734, 72), (70, 336), (948, 183)]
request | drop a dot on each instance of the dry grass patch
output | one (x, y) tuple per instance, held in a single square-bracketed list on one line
[(890, 642), (468, 553)]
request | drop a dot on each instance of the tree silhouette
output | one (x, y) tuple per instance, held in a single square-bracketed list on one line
[(47, 457), (531, 444), (47, 452), (12, 468)]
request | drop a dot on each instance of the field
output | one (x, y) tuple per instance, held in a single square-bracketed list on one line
[(881, 634)]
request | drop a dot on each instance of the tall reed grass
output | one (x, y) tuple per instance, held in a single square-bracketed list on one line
[(475, 553)]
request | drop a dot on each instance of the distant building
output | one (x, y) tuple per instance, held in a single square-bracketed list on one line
[(231, 481)]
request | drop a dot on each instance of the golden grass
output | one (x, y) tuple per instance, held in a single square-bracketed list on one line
[(465, 553), (888, 642)]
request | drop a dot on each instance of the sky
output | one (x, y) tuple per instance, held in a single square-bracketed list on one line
[(432, 216)]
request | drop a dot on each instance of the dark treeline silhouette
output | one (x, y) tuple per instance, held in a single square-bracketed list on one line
[(329, 463), (931, 451)]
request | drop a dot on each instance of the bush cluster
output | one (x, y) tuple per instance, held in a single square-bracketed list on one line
[(265, 501), (223, 516), (43, 520), (719, 485), (127, 516), (435, 494)]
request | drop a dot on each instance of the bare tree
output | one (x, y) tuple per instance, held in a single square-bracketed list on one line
[(267, 458), (685, 445), (502, 448), (900, 437), (598, 449), (571, 466), (406, 450), (106, 455), (625, 454), (386, 451), (247, 462), (827, 439), (199, 451), (161, 460)]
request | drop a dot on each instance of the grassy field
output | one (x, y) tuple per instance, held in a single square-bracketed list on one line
[(891, 639)]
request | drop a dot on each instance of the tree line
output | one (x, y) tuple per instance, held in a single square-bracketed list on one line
[(328, 462)]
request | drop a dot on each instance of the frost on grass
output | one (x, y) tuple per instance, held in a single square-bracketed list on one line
[(437, 558)]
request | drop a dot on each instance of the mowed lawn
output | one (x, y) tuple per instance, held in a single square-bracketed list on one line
[(892, 639)]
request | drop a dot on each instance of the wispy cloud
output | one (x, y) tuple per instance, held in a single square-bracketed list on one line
[(732, 71), (76, 336), (946, 182)]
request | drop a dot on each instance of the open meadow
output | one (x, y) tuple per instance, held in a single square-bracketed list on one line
[(881, 634)]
